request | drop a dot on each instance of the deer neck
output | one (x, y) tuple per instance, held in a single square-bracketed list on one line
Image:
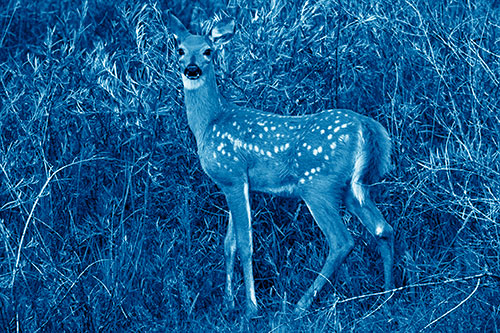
[(203, 105)]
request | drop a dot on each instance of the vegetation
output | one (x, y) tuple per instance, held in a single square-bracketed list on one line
[(107, 222)]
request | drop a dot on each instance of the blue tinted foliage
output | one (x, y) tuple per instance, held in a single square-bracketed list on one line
[(109, 223)]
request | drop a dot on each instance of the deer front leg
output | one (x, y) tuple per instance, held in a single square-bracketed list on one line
[(229, 252), (238, 201)]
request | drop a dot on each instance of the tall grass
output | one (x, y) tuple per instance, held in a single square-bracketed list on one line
[(107, 222)]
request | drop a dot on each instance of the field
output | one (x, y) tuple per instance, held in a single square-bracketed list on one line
[(108, 223)]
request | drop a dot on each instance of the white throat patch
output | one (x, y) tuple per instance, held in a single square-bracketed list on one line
[(192, 84)]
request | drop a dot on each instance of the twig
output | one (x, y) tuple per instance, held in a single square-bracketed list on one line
[(394, 290), (30, 216), (453, 308), (416, 285)]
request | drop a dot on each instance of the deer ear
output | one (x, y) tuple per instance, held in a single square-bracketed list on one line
[(177, 28), (222, 32)]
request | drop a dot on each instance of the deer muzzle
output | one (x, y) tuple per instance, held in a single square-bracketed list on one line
[(192, 72)]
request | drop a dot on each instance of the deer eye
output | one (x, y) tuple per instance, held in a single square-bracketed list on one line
[(207, 52), (181, 52)]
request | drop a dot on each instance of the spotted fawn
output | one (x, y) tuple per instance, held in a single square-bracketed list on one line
[(326, 159)]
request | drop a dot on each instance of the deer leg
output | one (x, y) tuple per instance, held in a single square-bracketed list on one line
[(229, 252), (340, 244), (239, 205), (373, 220)]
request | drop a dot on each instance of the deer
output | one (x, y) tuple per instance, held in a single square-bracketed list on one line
[(326, 159)]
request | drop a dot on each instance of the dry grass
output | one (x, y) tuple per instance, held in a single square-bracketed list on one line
[(107, 222)]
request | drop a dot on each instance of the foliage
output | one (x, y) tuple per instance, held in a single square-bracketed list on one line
[(107, 222)]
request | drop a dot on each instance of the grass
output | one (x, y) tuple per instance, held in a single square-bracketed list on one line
[(108, 223)]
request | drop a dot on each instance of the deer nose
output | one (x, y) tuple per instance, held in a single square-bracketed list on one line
[(192, 71)]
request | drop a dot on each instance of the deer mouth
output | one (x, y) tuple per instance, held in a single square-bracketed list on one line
[(192, 72)]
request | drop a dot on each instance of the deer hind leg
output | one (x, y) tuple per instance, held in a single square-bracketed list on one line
[(366, 211), (230, 253), (326, 215), (238, 201)]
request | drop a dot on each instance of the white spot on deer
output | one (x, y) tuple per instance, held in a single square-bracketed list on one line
[(379, 230), (266, 129), (237, 143), (326, 157), (273, 128), (219, 148), (315, 152), (322, 131), (329, 127), (269, 154), (261, 135), (299, 154), (320, 149), (344, 125), (302, 180), (215, 155), (306, 173), (256, 148), (333, 145), (276, 149), (330, 136), (336, 129)]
